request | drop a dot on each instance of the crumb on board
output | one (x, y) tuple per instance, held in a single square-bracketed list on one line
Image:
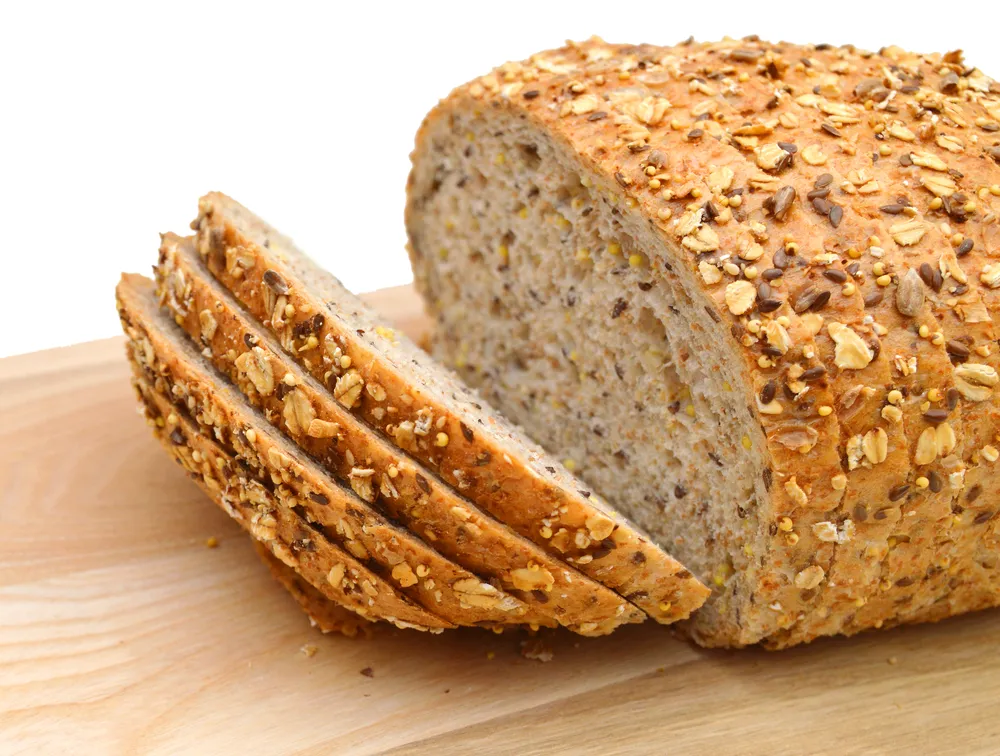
[(368, 672), (211, 542), (892, 660), (536, 650), (308, 650)]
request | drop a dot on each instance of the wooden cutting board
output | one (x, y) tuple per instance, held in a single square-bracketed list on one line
[(122, 632)]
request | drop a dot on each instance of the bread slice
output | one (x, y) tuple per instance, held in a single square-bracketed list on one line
[(324, 614), (405, 564), (750, 289), (377, 471), (291, 539), (389, 383)]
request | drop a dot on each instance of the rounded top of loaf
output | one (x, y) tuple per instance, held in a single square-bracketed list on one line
[(739, 148)]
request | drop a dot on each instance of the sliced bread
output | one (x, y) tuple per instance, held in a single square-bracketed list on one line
[(384, 379), (404, 564), (377, 471)]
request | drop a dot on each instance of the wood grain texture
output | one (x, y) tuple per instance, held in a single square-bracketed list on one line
[(122, 633)]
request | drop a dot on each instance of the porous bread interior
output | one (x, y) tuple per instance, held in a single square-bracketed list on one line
[(405, 357), (541, 303)]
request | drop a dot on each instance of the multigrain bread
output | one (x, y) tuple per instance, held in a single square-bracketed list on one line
[(440, 594), (750, 290), (325, 615), (390, 384), (278, 530), (377, 471)]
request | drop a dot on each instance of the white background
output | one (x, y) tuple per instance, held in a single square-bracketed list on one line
[(115, 118)]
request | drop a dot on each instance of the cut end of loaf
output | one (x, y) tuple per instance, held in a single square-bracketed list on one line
[(614, 368)]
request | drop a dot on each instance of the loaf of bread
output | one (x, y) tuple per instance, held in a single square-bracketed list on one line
[(748, 292)]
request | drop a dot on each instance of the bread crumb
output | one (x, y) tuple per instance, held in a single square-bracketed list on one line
[(536, 650), (368, 672), (211, 542), (892, 660), (308, 650)]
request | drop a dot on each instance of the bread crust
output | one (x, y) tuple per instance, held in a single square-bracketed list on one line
[(448, 594), (391, 482), (791, 161), (572, 525), (324, 614)]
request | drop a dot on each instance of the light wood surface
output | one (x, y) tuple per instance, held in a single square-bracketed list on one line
[(121, 632)]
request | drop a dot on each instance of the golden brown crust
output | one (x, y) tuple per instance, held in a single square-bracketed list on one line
[(324, 614), (454, 595), (840, 208), (377, 471), (566, 523)]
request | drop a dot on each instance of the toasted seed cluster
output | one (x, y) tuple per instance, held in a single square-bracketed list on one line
[(838, 210)]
